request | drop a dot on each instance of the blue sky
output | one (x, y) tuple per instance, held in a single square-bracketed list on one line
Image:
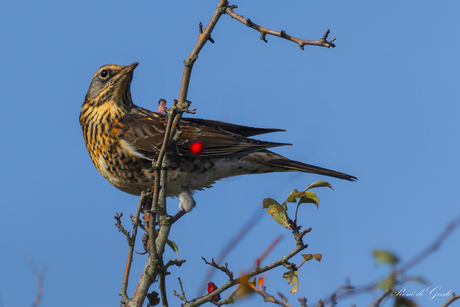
[(383, 106)]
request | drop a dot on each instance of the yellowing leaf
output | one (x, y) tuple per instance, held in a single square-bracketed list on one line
[(307, 257), (277, 212), (318, 257), (275, 209), (292, 276), (247, 287), (319, 183), (267, 202), (281, 218)]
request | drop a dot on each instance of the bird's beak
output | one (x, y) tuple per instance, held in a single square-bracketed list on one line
[(128, 69)]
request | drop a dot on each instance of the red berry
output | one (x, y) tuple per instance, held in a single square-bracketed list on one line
[(196, 148), (211, 288)]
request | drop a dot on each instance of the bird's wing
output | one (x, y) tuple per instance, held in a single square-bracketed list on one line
[(238, 129), (145, 130)]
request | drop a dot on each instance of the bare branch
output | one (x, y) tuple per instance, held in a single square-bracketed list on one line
[(270, 298), (242, 279), (322, 42), (303, 301), (182, 296), (452, 299), (174, 262), (222, 268), (417, 259), (40, 276), (233, 242), (377, 302), (120, 227), (203, 37), (131, 243), (268, 250)]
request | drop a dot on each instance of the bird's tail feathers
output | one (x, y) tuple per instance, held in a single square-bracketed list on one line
[(291, 165)]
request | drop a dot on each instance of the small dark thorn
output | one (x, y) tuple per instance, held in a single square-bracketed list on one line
[(301, 47), (200, 28), (248, 22), (283, 33), (233, 6), (262, 37), (211, 40)]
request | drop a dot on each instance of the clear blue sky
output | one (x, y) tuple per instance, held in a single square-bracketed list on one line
[(383, 106)]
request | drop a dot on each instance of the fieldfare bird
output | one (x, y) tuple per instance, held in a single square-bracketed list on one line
[(123, 139)]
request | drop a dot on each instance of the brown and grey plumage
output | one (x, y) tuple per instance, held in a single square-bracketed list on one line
[(123, 140)]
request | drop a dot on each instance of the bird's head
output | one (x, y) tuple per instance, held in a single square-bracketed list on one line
[(111, 83)]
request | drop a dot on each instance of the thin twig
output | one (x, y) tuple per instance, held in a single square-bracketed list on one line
[(303, 301), (182, 295), (131, 243), (162, 286), (267, 251), (322, 42), (257, 271), (40, 276), (377, 302), (203, 38), (231, 245), (417, 259), (120, 227), (222, 268), (452, 299)]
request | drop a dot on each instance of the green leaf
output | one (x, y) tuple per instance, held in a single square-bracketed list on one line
[(173, 247), (292, 277), (385, 257), (309, 198), (291, 198), (387, 283), (318, 184)]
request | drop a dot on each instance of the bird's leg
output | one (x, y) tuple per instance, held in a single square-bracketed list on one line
[(187, 203), (178, 216)]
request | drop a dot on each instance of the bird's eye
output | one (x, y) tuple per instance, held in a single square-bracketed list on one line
[(104, 73)]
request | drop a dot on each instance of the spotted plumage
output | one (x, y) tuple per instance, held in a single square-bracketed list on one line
[(123, 140)]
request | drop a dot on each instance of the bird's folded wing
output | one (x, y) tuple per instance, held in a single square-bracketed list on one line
[(145, 134)]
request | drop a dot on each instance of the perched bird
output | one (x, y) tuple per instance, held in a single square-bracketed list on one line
[(123, 139)]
